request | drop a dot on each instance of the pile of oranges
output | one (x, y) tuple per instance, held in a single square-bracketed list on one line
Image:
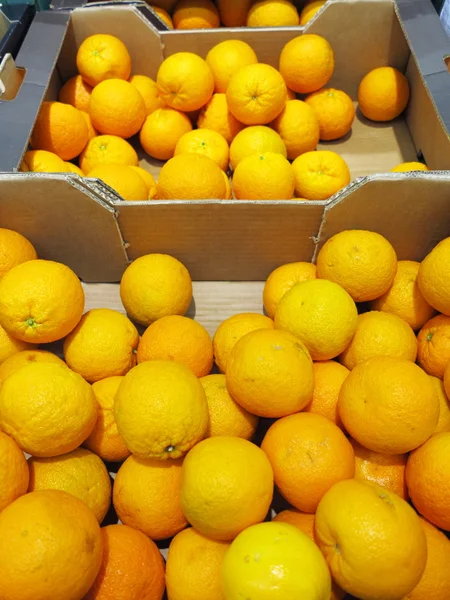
[(337, 398), (207, 117)]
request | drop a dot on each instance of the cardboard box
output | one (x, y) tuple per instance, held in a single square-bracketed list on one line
[(84, 224)]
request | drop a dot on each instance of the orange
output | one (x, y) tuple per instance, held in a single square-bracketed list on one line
[(103, 344), (255, 140), (41, 301), (76, 92), (161, 132), (310, 9), (380, 334), (409, 166), (9, 345), (50, 547), (334, 110), (196, 14), (275, 559), (26, 357), (232, 330), (298, 128), (101, 57), (256, 94), (216, 116), (433, 344), (233, 13), (226, 58), (383, 94), (107, 150), (363, 262), (389, 405), (435, 581), (319, 313), (194, 567), (443, 423), (328, 379), (14, 474), (122, 179), (105, 440), (163, 15), (272, 13), (47, 409), (301, 520), (132, 567), (41, 161), (178, 338), (387, 470), (157, 421), (74, 169), (206, 142), (267, 176), (433, 278), (226, 486), (228, 192), (61, 129), (372, 540), (80, 473), (117, 108), (270, 373), (149, 181), (191, 177), (428, 479), (154, 286), (404, 297), (308, 454), (148, 90), (319, 175), (146, 496), (15, 249), (281, 280), (307, 63), (92, 132), (185, 81)]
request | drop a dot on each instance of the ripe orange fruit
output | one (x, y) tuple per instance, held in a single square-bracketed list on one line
[(372, 540), (149, 181), (319, 175), (404, 297), (41, 161), (14, 474), (443, 423), (310, 9), (194, 567), (334, 110), (50, 547), (301, 520), (76, 92), (216, 116), (117, 108), (304, 466), (101, 57), (228, 192), (380, 334), (185, 81), (146, 496), (80, 473), (149, 92), (270, 373), (61, 129), (15, 249), (363, 262), (319, 313), (387, 470), (428, 479), (226, 58), (433, 278), (267, 176), (157, 421), (73, 169), (232, 330), (55, 296), (433, 345), (196, 14), (389, 405), (205, 142), (92, 132), (409, 166), (307, 63), (272, 13), (256, 94), (163, 15), (24, 358), (255, 140), (191, 177), (161, 132), (154, 286), (281, 280), (132, 567), (107, 150), (9, 345), (383, 94), (233, 13), (122, 179), (298, 128), (328, 379)]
